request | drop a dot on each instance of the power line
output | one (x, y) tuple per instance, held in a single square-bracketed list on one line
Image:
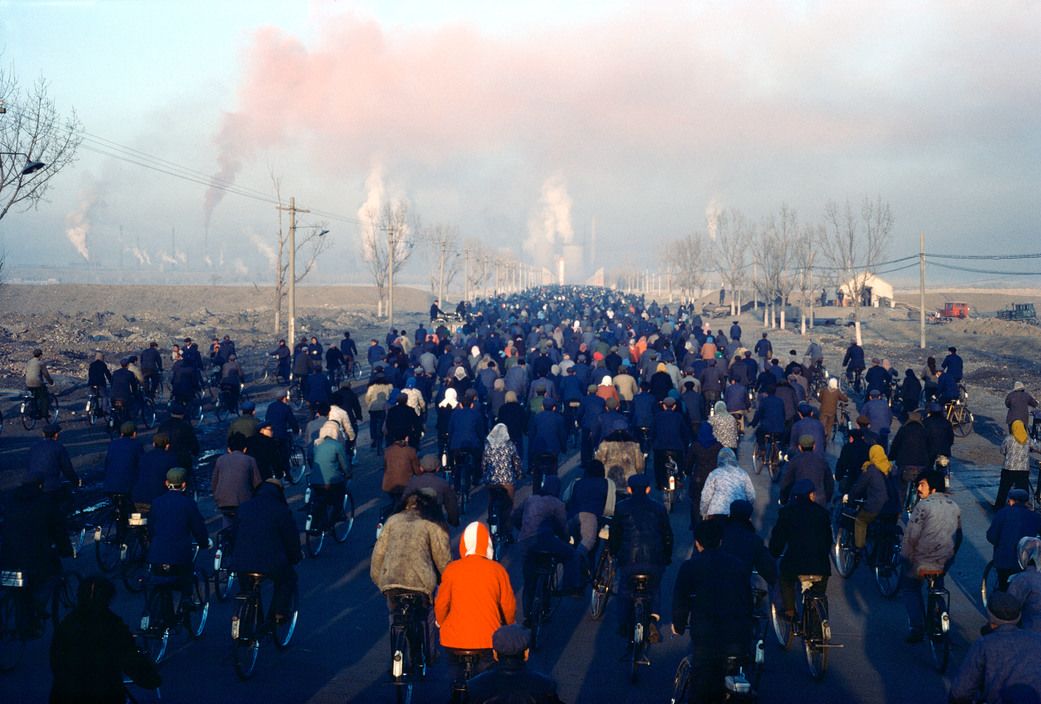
[(992, 257), (986, 271)]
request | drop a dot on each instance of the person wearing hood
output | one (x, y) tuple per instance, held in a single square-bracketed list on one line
[(330, 468), (1015, 471), (475, 597), (802, 540), (876, 486), (501, 470), (1012, 523), (542, 520), (1001, 666), (606, 389), (1026, 586), (931, 540), (725, 484), (724, 426), (267, 542)]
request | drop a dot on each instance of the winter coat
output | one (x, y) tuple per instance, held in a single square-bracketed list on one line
[(173, 522), (267, 537), (641, 533), (1019, 404), (121, 465), (910, 446), (725, 484), (812, 466), (400, 464), (932, 533), (235, 476), (802, 539), (411, 553), (1009, 525)]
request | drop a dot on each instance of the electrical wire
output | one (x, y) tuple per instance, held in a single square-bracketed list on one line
[(986, 271)]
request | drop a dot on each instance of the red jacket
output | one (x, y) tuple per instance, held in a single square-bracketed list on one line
[(475, 597)]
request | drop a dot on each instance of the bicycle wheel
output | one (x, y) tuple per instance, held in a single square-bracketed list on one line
[(939, 643), (888, 568), (314, 540), (285, 628), (344, 521), (400, 665), (843, 552), (245, 632), (198, 610), (758, 459), (297, 465), (106, 544), (25, 411), (91, 410), (639, 642), (148, 413), (816, 639), (12, 645), (134, 565), (223, 583), (782, 627), (537, 607), (774, 465), (961, 421), (989, 583), (154, 637), (52, 408), (220, 408), (681, 683), (601, 586), (666, 499)]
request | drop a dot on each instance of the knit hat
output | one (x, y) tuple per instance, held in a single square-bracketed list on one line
[(511, 640), (476, 540), (1004, 609)]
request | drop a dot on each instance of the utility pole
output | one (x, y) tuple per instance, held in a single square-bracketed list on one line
[(921, 290), (392, 247), (293, 210), (466, 273), (441, 276)]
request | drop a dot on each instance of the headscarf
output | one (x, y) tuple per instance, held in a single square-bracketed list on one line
[(705, 436), (330, 430), (721, 409), (460, 373), (511, 397), (833, 383), (451, 399), (606, 381), (660, 367), (877, 457), (1019, 432), (498, 436), (476, 540), (727, 458)]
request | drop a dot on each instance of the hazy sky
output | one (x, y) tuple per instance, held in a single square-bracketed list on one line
[(528, 122)]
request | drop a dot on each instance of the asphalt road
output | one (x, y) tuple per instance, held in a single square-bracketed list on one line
[(341, 650)]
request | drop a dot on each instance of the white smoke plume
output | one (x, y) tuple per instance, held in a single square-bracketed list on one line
[(713, 211), (550, 228), (168, 258), (369, 212), (77, 223), (209, 262), (265, 248), (141, 256), (239, 267)]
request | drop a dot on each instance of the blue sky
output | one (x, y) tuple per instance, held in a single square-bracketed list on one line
[(488, 116)]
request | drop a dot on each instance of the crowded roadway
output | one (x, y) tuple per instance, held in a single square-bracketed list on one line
[(573, 410)]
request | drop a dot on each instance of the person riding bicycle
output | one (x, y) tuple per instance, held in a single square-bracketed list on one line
[(589, 500), (37, 379), (152, 367), (671, 436), (400, 464), (877, 487), (152, 469), (502, 472), (267, 542), (93, 650), (231, 376), (878, 378), (931, 541), (475, 597), (509, 680), (235, 477), (283, 425), (429, 483), (713, 597), (1012, 523), (185, 382), (1015, 470), (349, 350), (807, 463), (910, 450), (49, 458), (547, 436), (33, 539), (741, 540), (125, 390), (376, 397), (542, 523), (641, 542), (283, 357), (99, 377), (952, 364), (802, 540), (725, 484), (1026, 586), (411, 554), (122, 464), (853, 363), (807, 424), (173, 522), (330, 468), (1000, 666), (876, 409), (769, 417)]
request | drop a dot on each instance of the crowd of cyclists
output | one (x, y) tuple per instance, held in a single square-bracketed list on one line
[(655, 401)]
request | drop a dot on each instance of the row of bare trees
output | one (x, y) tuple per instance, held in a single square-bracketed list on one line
[(781, 260)]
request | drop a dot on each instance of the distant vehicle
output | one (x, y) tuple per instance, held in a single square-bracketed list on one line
[(954, 310), (1019, 312)]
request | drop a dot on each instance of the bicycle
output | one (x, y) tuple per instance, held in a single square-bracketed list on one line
[(227, 403), (768, 456), (544, 589), (603, 576), (223, 578), (989, 583), (841, 427), (94, 409), (154, 387), (251, 623), (958, 413), (409, 642), (544, 464), (30, 412), (937, 619), (297, 463), (810, 624), (672, 481), (133, 553), (463, 464), (20, 621), (640, 611), (323, 516), (499, 505), (470, 659), (161, 619), (883, 554), (736, 684)]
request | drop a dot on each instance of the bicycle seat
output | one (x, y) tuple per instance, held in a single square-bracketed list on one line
[(253, 579), (640, 582), (925, 573)]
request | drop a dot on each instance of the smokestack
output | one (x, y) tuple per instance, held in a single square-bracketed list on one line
[(560, 271)]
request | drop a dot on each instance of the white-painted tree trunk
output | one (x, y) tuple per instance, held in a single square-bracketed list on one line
[(782, 317)]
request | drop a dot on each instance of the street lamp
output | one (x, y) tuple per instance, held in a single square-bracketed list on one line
[(31, 165)]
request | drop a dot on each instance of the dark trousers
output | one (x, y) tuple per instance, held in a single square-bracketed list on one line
[(376, 419), (1010, 479)]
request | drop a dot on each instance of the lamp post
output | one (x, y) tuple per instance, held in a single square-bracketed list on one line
[(31, 165)]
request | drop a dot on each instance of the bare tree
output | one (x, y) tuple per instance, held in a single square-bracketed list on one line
[(855, 245), (772, 253), (476, 265), (686, 259), (36, 142), (308, 249), (807, 247), (388, 238), (731, 253), (443, 241)]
